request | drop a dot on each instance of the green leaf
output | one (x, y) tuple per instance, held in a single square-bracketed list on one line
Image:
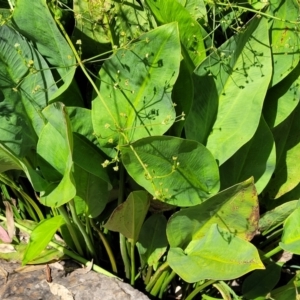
[(230, 87), (41, 29), (182, 95), (54, 151), (81, 122), (234, 209), (92, 182), (8, 161), (177, 171), (261, 282), (289, 291), (256, 158), (131, 21), (91, 192), (282, 99), (129, 216), (136, 88), (167, 11), (218, 256), (276, 216), (91, 26), (26, 84), (290, 240), (89, 158), (46, 256), (284, 38), (152, 243), (287, 140), (40, 237), (196, 8)]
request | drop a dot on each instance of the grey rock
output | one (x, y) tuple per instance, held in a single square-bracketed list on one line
[(32, 284)]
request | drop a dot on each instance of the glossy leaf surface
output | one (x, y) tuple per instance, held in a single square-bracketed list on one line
[(219, 255), (230, 87), (256, 158), (167, 11), (234, 209), (43, 31), (136, 88), (287, 140), (177, 171)]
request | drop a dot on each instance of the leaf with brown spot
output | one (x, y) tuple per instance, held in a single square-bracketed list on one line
[(234, 209)]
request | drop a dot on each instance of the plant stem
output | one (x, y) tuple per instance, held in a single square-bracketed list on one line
[(156, 275), (90, 234), (166, 283), (107, 247), (123, 247), (76, 220), (148, 275), (132, 258), (6, 180), (80, 63), (206, 297), (271, 238), (124, 255), (67, 252), (199, 289), (72, 232), (273, 252), (159, 282)]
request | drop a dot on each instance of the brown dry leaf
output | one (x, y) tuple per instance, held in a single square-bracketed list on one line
[(5, 248), (29, 268), (57, 265), (85, 270), (60, 290), (285, 256), (9, 219)]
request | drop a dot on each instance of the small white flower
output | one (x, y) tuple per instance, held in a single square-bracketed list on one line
[(105, 164), (116, 168), (17, 45)]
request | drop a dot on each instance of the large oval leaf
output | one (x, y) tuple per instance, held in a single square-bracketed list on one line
[(256, 158), (177, 171), (219, 256), (92, 183), (287, 140), (26, 84), (282, 99), (284, 38), (235, 209), (230, 87), (41, 29), (167, 11), (136, 88)]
